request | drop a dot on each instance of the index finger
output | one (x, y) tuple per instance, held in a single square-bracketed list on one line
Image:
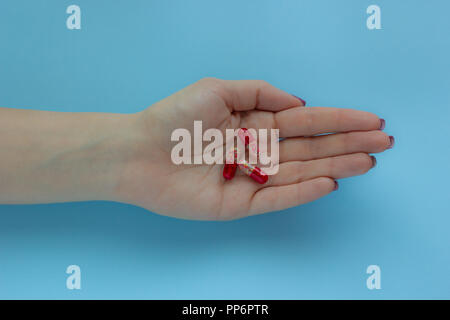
[(245, 95)]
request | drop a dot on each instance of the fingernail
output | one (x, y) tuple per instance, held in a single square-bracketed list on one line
[(382, 124), (374, 161), (301, 100), (392, 142), (336, 185)]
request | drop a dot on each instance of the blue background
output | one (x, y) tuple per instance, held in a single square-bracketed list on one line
[(130, 54)]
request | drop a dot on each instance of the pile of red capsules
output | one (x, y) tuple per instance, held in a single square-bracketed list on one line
[(250, 170)]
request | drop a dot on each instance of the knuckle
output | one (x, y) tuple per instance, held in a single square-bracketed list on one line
[(209, 82), (210, 87), (262, 83), (310, 148), (347, 141), (285, 150), (299, 169), (308, 119), (340, 117), (333, 166), (299, 193)]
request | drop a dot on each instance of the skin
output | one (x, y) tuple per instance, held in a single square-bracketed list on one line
[(58, 157)]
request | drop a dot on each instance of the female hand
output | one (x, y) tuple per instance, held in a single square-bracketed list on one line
[(310, 162)]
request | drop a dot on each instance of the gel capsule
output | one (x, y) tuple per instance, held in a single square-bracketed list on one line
[(248, 140), (229, 169), (245, 136), (254, 172)]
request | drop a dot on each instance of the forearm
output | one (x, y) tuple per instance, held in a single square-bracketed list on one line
[(56, 157)]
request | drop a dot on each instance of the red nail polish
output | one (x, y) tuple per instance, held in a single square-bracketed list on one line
[(301, 100), (254, 172), (336, 185), (382, 124), (374, 161), (392, 142)]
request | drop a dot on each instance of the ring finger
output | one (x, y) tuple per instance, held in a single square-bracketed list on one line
[(338, 167)]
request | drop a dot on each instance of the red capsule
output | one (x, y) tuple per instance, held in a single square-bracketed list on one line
[(245, 136), (254, 172), (229, 170), (248, 140)]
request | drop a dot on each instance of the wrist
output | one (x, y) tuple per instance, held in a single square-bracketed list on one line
[(115, 146), (140, 152), (87, 162)]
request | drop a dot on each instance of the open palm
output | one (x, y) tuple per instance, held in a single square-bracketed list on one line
[(310, 162)]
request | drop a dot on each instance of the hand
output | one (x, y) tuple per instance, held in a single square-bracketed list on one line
[(309, 162)]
